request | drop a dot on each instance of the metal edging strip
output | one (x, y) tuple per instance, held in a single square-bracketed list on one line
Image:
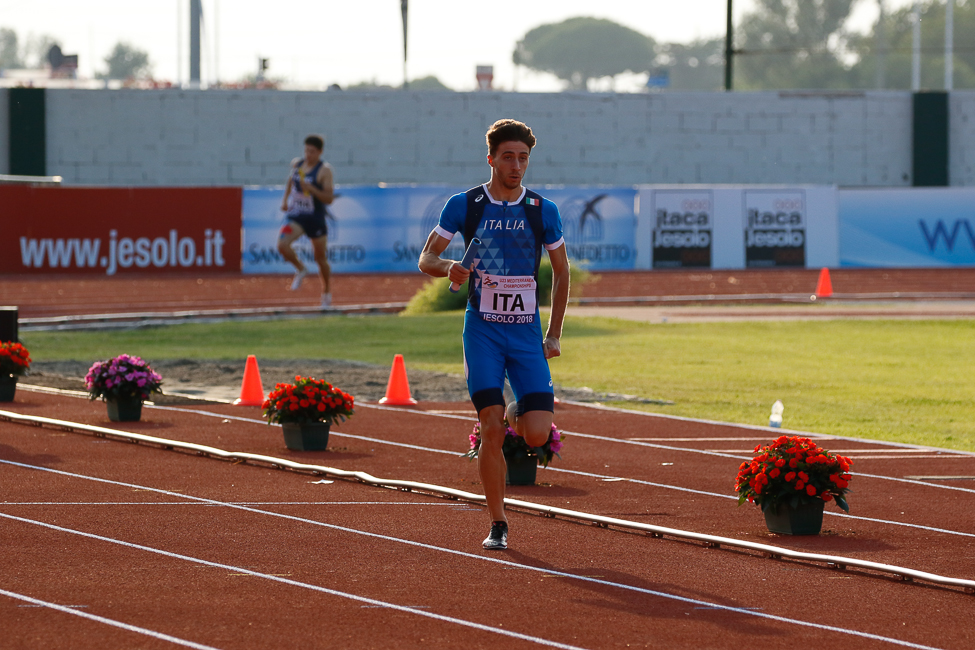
[(711, 541)]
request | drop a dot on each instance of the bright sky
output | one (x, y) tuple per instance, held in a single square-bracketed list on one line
[(315, 43)]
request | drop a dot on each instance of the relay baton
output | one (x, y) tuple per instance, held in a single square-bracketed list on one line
[(467, 261)]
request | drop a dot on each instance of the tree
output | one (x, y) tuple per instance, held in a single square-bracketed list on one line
[(428, 83), (36, 49), (793, 44), (126, 62), (895, 51), (9, 49), (579, 49), (698, 65)]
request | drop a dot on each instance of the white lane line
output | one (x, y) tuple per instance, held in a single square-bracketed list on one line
[(294, 583), (398, 540), (600, 438), (733, 439), (605, 477), (236, 503), (106, 621), (665, 485)]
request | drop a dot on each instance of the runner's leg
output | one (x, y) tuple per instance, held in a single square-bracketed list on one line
[(320, 244), (528, 372), (484, 369), (490, 459), (290, 232)]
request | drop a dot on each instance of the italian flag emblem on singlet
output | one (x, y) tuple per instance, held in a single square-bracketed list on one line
[(531, 201)]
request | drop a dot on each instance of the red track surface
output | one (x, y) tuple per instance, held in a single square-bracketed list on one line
[(237, 556), (72, 294)]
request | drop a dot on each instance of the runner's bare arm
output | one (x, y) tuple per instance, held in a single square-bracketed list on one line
[(327, 194), (431, 264), (287, 184), (560, 298)]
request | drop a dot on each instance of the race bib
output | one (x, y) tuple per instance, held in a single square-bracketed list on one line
[(508, 299)]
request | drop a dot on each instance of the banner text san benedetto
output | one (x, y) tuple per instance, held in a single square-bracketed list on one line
[(172, 252)]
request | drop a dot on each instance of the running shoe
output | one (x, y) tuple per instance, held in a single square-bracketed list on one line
[(497, 539), (326, 301), (298, 279)]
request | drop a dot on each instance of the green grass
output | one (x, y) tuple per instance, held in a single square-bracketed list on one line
[(905, 381)]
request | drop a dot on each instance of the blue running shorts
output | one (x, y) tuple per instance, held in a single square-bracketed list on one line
[(492, 350)]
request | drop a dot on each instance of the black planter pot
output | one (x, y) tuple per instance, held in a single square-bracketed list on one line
[(8, 387), (124, 409), (310, 436), (521, 470), (806, 519)]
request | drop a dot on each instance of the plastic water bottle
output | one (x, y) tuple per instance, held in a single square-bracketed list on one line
[(775, 420)]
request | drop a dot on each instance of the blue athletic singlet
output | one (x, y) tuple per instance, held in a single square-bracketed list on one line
[(304, 209), (502, 333)]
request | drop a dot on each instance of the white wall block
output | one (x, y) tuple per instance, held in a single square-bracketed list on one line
[(163, 137)]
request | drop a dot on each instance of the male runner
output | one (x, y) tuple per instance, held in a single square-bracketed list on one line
[(308, 191), (502, 334)]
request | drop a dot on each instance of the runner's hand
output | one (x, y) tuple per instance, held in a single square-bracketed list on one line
[(552, 347), (458, 274)]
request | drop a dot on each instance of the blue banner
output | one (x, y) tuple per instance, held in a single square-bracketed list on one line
[(916, 227), (383, 229)]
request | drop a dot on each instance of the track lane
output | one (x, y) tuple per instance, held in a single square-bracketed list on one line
[(692, 596)]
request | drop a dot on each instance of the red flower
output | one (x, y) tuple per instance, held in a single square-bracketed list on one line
[(789, 477), (800, 485), (793, 463), (811, 490), (775, 473), (780, 462), (827, 496)]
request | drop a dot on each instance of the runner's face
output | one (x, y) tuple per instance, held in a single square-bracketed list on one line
[(509, 163), (312, 154)]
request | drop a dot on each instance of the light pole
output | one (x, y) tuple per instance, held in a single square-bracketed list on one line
[(729, 51), (950, 45), (404, 7)]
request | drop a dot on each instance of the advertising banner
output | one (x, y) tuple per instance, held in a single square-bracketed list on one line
[(909, 227), (775, 228), (383, 229), (110, 231), (683, 222)]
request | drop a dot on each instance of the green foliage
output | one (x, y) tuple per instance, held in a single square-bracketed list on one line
[(9, 49), (579, 49), (885, 54), (428, 83), (435, 295), (126, 62), (793, 44), (698, 65), (905, 381)]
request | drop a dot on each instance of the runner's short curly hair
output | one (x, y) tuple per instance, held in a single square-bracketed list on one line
[(507, 131), (315, 140)]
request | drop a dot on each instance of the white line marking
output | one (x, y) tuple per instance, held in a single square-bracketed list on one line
[(735, 439), (283, 580), (640, 481), (407, 542), (236, 503), (107, 621), (624, 441)]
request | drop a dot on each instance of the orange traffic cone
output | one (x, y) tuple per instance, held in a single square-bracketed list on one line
[(824, 288), (251, 390), (398, 388)]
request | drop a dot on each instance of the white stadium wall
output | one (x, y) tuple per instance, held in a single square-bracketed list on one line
[(213, 137)]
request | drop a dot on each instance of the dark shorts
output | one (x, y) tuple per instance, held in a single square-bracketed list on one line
[(312, 226)]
